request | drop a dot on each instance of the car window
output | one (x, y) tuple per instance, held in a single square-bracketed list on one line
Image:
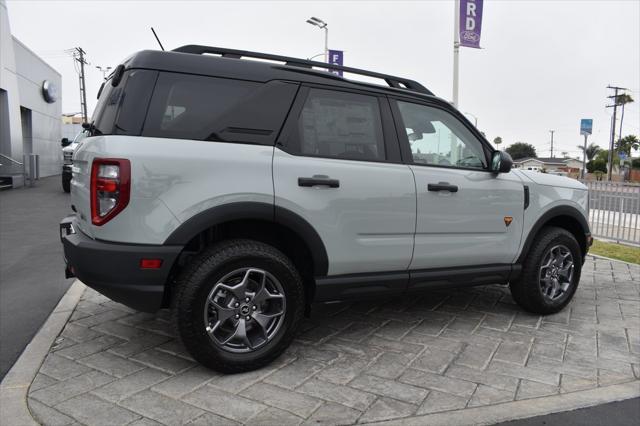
[(218, 109), (341, 125), (185, 106), (438, 138)]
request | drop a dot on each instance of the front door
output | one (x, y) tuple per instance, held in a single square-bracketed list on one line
[(337, 165), (467, 215)]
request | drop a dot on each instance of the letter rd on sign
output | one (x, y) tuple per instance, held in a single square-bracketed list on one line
[(470, 23)]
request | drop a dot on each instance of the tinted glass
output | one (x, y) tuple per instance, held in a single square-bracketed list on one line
[(438, 138), (188, 106), (121, 109), (341, 125)]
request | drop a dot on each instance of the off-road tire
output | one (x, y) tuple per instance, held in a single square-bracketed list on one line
[(197, 280), (526, 290)]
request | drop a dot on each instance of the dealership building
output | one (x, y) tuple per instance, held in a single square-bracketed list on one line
[(30, 108)]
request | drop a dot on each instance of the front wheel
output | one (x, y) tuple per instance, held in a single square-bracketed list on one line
[(550, 272), (237, 305)]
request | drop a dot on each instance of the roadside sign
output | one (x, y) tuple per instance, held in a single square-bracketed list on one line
[(470, 23), (586, 126), (622, 156), (336, 57)]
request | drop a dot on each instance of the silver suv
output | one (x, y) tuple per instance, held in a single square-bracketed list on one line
[(237, 192)]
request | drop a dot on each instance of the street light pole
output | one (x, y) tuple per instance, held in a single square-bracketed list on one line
[(475, 119), (456, 50), (104, 71), (326, 43), (324, 26)]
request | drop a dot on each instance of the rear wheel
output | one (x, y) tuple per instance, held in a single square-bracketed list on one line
[(237, 306), (550, 272)]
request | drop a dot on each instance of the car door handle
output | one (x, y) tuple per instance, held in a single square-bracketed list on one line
[(318, 181), (442, 186)]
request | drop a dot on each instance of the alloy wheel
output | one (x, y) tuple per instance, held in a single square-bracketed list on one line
[(244, 310), (556, 272)]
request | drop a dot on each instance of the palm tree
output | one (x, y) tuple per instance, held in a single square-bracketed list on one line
[(592, 150), (497, 141), (622, 100)]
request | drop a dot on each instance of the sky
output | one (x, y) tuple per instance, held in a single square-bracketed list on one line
[(544, 64)]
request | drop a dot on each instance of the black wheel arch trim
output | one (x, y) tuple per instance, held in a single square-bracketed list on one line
[(253, 210), (550, 214)]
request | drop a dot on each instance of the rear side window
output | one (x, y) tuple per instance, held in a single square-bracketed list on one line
[(217, 109), (121, 110), (340, 125)]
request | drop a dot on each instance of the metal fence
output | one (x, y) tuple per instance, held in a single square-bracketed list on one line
[(614, 211)]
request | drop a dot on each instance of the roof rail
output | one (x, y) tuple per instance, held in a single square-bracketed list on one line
[(392, 81)]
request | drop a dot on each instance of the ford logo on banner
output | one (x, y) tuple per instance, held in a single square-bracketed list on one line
[(469, 36), (470, 23), (336, 57)]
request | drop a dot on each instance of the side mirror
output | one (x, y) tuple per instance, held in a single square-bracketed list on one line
[(65, 142), (501, 162)]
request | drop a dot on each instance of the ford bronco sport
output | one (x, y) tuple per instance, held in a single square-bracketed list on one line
[(238, 191)]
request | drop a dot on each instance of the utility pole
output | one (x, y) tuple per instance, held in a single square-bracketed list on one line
[(78, 55), (552, 132), (613, 127)]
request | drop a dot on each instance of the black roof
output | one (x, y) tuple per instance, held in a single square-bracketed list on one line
[(194, 59)]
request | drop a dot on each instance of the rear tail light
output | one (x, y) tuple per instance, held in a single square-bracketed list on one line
[(110, 188)]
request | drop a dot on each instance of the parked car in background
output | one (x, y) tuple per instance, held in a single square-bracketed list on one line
[(68, 148)]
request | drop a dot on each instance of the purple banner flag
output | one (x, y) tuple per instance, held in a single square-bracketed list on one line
[(470, 23), (336, 57)]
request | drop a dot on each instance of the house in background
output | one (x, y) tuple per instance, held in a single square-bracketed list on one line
[(571, 166)]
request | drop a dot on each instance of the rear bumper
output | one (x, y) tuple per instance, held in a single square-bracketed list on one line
[(114, 269)]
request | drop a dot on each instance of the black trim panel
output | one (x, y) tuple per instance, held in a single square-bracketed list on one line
[(353, 286), (114, 269), (459, 277), (357, 286), (254, 211), (546, 217)]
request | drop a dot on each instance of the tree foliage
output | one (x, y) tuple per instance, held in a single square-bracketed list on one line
[(597, 165), (627, 143), (521, 150), (592, 150)]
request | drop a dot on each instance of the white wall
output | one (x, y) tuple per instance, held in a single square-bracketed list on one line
[(46, 118), (22, 73)]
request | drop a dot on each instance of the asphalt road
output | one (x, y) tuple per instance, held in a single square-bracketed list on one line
[(622, 413), (31, 263)]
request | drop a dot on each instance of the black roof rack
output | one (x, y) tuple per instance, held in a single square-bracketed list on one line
[(392, 81)]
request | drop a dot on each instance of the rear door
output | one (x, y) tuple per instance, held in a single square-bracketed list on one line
[(467, 215), (337, 165)]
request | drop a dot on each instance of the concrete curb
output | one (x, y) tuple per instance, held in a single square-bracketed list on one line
[(613, 260), (15, 385), (492, 414)]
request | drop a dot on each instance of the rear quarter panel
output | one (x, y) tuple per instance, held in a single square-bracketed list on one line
[(171, 180)]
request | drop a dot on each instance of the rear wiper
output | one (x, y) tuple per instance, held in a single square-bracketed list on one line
[(92, 129)]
